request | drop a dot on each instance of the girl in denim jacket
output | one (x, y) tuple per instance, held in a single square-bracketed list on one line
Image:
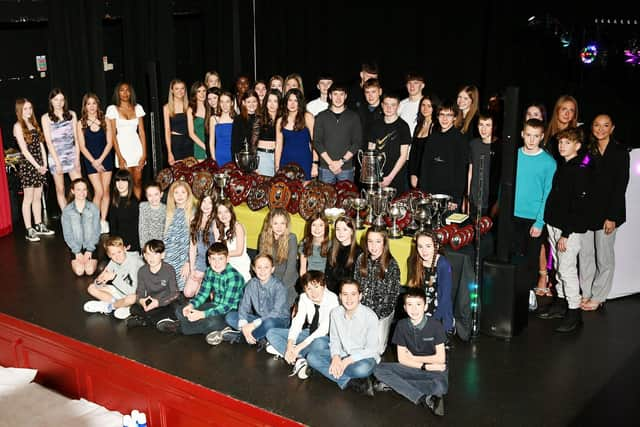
[(81, 228)]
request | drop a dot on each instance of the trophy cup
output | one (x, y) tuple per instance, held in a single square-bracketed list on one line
[(246, 159), (371, 164), (389, 193), (221, 179), (440, 203), (367, 195), (358, 204), (333, 213), (396, 210), (412, 203), (379, 204), (423, 214)]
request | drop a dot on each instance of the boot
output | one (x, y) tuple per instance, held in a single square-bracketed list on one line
[(571, 322), (556, 310)]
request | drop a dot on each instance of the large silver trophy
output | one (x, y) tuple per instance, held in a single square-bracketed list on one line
[(247, 159), (440, 205), (371, 164), (221, 179), (357, 204)]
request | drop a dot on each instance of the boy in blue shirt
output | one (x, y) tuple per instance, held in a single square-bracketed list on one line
[(534, 175)]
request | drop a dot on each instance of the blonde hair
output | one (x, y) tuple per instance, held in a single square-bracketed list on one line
[(268, 243), (171, 204), (554, 127), (171, 100)]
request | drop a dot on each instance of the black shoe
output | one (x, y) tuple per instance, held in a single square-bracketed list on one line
[(135, 321), (262, 344), (233, 337), (556, 310), (571, 322), (361, 385), (168, 326), (435, 404), (379, 386)]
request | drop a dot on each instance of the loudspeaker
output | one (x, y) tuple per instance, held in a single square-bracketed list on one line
[(504, 299)]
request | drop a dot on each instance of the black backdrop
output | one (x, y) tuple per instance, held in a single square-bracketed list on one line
[(486, 43)]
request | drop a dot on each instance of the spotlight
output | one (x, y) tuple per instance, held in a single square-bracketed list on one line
[(589, 53), (565, 39), (632, 52)]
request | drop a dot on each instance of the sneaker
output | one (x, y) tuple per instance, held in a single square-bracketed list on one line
[(168, 326), (233, 336), (135, 321), (272, 350), (362, 386), (96, 306), (32, 235), (104, 227), (300, 364), (215, 337), (305, 372), (435, 404), (122, 312), (42, 230), (380, 386)]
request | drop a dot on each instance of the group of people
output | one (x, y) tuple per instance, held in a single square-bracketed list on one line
[(327, 303)]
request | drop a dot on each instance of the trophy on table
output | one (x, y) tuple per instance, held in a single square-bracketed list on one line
[(247, 159), (423, 214), (357, 204), (412, 205), (379, 204), (440, 205), (371, 165), (396, 210), (221, 179)]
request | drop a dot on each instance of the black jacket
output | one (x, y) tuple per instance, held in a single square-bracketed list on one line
[(611, 176), (444, 164), (569, 205)]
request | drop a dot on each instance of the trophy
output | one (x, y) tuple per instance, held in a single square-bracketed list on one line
[(358, 204), (246, 159), (379, 204), (440, 203), (413, 226), (333, 213), (367, 195), (423, 214), (221, 179), (396, 210), (389, 193), (371, 164)]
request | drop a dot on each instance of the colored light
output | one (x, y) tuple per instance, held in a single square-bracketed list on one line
[(589, 54), (632, 56)]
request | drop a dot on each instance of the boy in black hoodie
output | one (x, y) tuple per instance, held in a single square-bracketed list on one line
[(567, 218)]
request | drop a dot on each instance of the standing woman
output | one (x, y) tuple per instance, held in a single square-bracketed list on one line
[(597, 256), (245, 125), (95, 143), (196, 115), (276, 82), (59, 126), (212, 79), (294, 133), (211, 111), (32, 169), (565, 115), (424, 125), (267, 137), (467, 119), (220, 127), (176, 134), (126, 127)]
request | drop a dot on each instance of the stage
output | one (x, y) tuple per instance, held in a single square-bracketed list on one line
[(537, 378)]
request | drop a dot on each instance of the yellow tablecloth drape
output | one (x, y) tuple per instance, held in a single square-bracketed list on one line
[(253, 220)]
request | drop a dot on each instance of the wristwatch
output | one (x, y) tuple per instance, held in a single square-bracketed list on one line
[(343, 161), (423, 367)]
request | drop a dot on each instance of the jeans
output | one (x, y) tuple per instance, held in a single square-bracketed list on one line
[(412, 383), (321, 361), (279, 338), (260, 332), (326, 176), (202, 326)]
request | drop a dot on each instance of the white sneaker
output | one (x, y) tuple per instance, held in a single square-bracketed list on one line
[(104, 227), (216, 337), (122, 313), (301, 368), (272, 350), (533, 301), (96, 306), (32, 235)]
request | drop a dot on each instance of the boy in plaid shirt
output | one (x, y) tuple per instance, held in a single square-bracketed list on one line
[(220, 292)]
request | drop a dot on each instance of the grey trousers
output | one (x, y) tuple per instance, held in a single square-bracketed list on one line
[(412, 383), (597, 263)]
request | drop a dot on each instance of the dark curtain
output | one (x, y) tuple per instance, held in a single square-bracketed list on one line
[(75, 48)]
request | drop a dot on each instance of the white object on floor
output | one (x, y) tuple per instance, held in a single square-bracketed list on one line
[(122, 313), (96, 306)]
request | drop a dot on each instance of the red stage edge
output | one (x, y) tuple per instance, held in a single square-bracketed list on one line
[(79, 370)]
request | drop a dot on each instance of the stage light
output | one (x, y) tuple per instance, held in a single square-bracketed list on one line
[(565, 39), (632, 52), (589, 53)]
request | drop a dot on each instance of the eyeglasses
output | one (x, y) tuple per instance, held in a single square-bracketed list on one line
[(446, 115)]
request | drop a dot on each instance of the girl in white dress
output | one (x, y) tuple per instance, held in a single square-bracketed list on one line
[(229, 231), (125, 121)]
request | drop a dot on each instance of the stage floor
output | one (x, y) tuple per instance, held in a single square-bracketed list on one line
[(538, 378)]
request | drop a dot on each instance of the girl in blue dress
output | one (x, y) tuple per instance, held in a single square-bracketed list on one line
[(220, 130)]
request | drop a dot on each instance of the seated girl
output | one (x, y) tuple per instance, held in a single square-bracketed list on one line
[(230, 232), (343, 253), (314, 248), (200, 238)]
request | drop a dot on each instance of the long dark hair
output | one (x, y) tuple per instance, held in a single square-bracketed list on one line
[(417, 271), (335, 244), (195, 229), (84, 115), (231, 232), (420, 119), (307, 248), (193, 96), (116, 94), (385, 258), (66, 115), (116, 199), (299, 122)]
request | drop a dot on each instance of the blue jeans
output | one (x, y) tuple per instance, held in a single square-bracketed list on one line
[(321, 360), (412, 383), (279, 338), (260, 332), (326, 176), (202, 326)]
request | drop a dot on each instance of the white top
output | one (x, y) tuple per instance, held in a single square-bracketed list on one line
[(127, 135), (242, 262), (408, 111), (317, 106), (306, 310)]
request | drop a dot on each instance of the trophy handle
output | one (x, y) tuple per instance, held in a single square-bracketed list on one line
[(384, 159), (360, 153)]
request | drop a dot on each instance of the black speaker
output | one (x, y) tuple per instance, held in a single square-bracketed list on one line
[(504, 299)]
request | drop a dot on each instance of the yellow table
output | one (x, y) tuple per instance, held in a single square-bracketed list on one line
[(253, 220)]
